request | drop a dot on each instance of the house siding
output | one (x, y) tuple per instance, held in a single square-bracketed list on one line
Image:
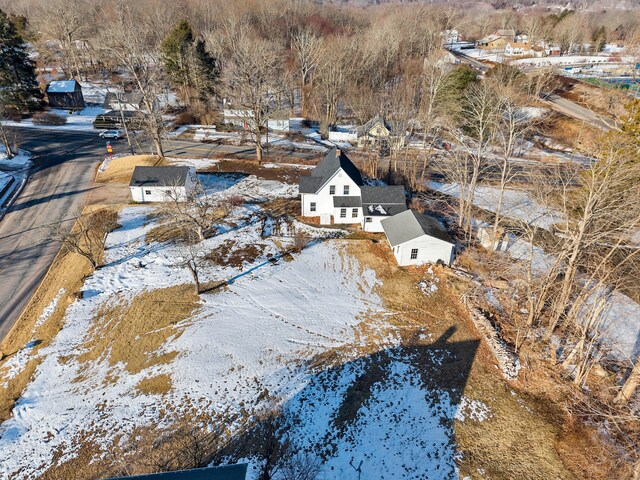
[(324, 201), (374, 225), (430, 250)]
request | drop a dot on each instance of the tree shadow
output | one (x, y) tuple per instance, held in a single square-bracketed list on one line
[(389, 414)]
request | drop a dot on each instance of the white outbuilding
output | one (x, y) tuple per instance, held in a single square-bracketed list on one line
[(160, 184), (416, 238)]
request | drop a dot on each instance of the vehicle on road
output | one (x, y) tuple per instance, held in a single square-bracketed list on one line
[(115, 134)]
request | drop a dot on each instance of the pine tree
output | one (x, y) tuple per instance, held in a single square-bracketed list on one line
[(18, 85), (190, 66)]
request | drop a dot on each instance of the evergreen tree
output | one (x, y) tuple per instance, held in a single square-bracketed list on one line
[(600, 39), (18, 85), (191, 67)]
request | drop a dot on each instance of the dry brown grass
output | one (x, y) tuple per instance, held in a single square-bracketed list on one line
[(575, 134), (120, 170), (132, 332), (67, 272), (158, 385)]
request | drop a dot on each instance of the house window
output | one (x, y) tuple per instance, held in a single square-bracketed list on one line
[(414, 253), (354, 213), (332, 189), (343, 213), (312, 206), (368, 220), (147, 192), (346, 189)]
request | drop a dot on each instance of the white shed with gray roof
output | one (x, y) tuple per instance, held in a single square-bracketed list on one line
[(416, 238), (160, 184)]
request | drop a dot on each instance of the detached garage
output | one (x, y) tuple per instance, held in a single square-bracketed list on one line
[(160, 184), (416, 238)]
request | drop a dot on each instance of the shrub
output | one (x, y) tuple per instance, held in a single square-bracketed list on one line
[(48, 118), (185, 118)]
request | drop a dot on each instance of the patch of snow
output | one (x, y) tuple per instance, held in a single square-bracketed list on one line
[(402, 429), (76, 121), (429, 285), (473, 409), (198, 163), (516, 204)]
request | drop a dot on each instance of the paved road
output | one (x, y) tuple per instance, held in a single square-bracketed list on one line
[(578, 112), (62, 176), (63, 171)]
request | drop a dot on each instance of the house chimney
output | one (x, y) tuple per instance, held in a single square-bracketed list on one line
[(337, 152)]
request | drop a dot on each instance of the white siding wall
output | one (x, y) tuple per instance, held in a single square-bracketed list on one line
[(349, 218), (374, 225), (324, 200), (155, 194), (430, 250)]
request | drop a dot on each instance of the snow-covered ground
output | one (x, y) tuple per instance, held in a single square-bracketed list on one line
[(255, 335), (77, 121), (517, 204), (13, 174)]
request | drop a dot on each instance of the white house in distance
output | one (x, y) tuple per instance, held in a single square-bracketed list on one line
[(159, 184), (335, 192), (416, 238)]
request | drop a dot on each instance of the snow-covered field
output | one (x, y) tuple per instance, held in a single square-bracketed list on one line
[(517, 204), (77, 121), (256, 334)]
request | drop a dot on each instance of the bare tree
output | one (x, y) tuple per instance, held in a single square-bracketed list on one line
[(191, 255), (132, 41), (197, 210), (250, 81), (305, 46), (473, 130), (88, 235)]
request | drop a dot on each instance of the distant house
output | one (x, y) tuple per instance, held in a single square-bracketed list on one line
[(160, 184), (335, 192), (416, 238), (225, 472), (378, 132), (126, 101), (516, 49), (65, 94)]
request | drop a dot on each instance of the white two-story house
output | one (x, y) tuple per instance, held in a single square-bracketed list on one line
[(335, 192), (332, 191)]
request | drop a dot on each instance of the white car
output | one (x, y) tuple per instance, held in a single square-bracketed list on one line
[(115, 134)]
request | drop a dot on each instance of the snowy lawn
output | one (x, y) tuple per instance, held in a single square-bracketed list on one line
[(260, 333)]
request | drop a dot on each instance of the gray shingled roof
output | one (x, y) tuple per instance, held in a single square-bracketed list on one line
[(327, 167), (158, 176), (382, 209), (383, 201), (226, 472), (351, 201), (408, 225), (383, 194), (309, 184)]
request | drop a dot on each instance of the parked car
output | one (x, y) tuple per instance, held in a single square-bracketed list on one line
[(115, 134)]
